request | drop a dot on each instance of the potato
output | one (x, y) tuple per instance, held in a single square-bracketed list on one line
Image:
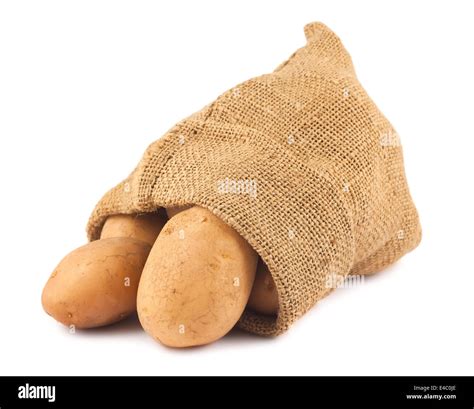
[(196, 281), (96, 284), (173, 211), (144, 227), (264, 297)]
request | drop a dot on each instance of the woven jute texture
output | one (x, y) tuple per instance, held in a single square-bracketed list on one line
[(301, 163)]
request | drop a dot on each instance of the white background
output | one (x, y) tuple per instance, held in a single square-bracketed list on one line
[(85, 86)]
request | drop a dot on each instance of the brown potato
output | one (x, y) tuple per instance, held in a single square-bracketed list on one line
[(196, 281), (264, 296), (144, 227), (173, 211), (96, 284)]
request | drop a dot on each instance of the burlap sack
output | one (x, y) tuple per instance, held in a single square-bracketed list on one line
[(300, 162)]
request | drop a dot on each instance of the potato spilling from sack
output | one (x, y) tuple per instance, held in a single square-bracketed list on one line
[(264, 297), (143, 227), (196, 281), (190, 288), (96, 284)]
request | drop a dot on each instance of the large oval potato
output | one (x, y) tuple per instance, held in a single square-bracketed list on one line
[(264, 296), (196, 281), (144, 227), (96, 284)]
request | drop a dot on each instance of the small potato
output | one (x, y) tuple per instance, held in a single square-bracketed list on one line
[(264, 297), (196, 281), (173, 211), (96, 284), (144, 227)]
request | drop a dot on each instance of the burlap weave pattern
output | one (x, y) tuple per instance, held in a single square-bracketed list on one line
[(331, 195)]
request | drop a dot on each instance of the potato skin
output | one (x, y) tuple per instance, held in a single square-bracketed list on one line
[(196, 281), (96, 284), (173, 211), (264, 296), (144, 227)]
